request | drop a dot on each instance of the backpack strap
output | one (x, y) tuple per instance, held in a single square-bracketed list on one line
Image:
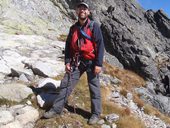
[(91, 29), (91, 25), (85, 35)]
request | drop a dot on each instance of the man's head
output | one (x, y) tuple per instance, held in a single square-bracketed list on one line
[(82, 10)]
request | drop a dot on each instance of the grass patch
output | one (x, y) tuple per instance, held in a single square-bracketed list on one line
[(129, 79), (59, 77), (32, 98), (129, 122), (81, 95), (150, 110), (67, 120), (110, 107), (7, 102), (140, 103), (123, 92), (62, 38)]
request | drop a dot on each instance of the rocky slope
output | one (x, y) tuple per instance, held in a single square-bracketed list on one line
[(139, 40), (30, 50), (32, 17)]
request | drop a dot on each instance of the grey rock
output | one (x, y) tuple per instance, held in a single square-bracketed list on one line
[(129, 96), (111, 59), (112, 117), (134, 40), (158, 101), (18, 116), (106, 79), (101, 122), (105, 126), (44, 19), (48, 83), (26, 115), (150, 86), (23, 78), (5, 117), (132, 105), (114, 125), (15, 124), (14, 92), (116, 94)]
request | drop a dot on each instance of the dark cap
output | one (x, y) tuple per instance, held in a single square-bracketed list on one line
[(82, 3)]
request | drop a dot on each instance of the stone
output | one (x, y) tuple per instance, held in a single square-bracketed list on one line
[(114, 125), (101, 122), (5, 117), (15, 124), (44, 83), (23, 78), (26, 115), (129, 96), (15, 91), (115, 94), (105, 126), (112, 117)]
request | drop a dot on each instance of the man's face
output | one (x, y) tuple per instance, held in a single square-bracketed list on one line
[(82, 12)]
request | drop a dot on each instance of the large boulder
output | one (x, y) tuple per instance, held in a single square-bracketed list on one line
[(14, 92), (138, 39)]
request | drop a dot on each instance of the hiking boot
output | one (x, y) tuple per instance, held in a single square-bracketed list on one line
[(50, 114), (93, 119)]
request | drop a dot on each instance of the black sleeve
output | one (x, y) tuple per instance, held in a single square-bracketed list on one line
[(67, 48), (98, 38)]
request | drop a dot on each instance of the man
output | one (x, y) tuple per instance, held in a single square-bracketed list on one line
[(83, 53)]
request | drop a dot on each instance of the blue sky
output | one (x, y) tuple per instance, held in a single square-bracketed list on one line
[(156, 4)]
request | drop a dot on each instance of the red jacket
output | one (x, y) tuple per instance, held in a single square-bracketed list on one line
[(81, 45)]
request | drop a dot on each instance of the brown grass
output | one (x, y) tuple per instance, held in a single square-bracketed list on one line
[(62, 38), (150, 110), (129, 79), (59, 77), (130, 122), (81, 95), (123, 92), (110, 107), (140, 103), (67, 120), (7, 102)]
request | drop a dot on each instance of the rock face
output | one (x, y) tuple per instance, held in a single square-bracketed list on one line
[(38, 17), (140, 40)]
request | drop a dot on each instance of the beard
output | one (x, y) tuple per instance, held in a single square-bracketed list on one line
[(81, 17)]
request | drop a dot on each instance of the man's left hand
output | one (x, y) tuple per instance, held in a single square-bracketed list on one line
[(97, 69)]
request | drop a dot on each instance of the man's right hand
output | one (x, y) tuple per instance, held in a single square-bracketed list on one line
[(68, 67)]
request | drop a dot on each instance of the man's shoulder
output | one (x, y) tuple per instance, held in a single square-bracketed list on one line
[(74, 25), (94, 26)]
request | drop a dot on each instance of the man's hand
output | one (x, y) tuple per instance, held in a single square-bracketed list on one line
[(97, 69), (68, 67)]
